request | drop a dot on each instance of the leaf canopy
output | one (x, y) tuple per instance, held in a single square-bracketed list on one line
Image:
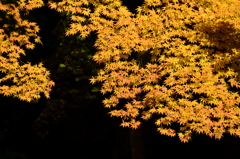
[(192, 77), (24, 81)]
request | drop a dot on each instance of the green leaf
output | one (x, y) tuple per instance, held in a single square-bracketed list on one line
[(95, 89), (62, 65)]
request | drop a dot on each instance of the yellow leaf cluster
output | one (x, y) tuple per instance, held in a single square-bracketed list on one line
[(194, 64), (23, 81)]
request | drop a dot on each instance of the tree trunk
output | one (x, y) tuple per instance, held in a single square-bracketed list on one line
[(137, 143)]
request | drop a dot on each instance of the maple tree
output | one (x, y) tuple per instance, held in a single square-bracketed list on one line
[(20, 79), (192, 77)]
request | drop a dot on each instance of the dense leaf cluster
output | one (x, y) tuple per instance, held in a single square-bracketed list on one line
[(192, 73), (18, 79), (194, 61)]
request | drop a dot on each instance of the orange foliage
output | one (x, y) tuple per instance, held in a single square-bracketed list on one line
[(27, 81), (194, 66)]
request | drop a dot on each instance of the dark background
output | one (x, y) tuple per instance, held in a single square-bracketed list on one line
[(74, 123)]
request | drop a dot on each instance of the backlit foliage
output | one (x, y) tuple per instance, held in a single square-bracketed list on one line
[(24, 81), (193, 75)]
